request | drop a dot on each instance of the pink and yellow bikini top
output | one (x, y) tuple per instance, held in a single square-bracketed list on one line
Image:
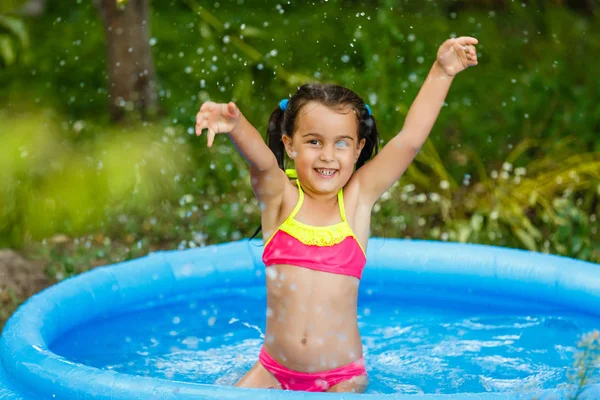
[(332, 248)]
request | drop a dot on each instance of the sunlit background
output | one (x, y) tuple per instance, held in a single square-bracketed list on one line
[(99, 162)]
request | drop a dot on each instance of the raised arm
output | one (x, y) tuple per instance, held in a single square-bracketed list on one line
[(378, 175), (267, 179)]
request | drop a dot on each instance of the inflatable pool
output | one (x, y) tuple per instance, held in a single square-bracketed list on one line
[(438, 321)]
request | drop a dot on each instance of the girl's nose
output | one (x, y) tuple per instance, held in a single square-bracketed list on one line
[(326, 154)]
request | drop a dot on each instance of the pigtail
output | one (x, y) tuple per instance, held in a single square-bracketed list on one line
[(368, 130), (274, 134)]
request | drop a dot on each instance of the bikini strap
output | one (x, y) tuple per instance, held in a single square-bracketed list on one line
[(300, 200), (341, 204)]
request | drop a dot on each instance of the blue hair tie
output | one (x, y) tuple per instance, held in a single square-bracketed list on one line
[(283, 104), (369, 110)]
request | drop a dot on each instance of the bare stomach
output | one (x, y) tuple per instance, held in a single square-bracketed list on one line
[(311, 319)]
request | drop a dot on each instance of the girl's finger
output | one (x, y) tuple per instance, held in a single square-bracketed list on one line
[(472, 54), (210, 137), (472, 60), (469, 51), (232, 109), (200, 125), (199, 129), (467, 40)]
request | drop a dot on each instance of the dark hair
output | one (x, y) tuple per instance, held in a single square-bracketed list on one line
[(333, 96)]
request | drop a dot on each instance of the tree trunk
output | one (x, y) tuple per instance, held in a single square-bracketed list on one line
[(131, 75)]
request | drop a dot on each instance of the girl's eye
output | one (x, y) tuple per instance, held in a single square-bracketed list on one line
[(342, 144), (314, 141)]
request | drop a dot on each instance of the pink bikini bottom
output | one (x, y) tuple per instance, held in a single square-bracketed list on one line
[(311, 381)]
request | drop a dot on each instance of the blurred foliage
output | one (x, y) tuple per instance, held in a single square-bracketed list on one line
[(14, 40), (512, 161), (540, 205), (51, 184)]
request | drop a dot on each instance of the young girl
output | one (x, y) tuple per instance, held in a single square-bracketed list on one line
[(316, 227)]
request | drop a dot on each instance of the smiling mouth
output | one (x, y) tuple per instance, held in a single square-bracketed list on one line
[(326, 172)]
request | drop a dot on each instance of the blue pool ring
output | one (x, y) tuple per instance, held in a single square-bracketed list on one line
[(29, 370)]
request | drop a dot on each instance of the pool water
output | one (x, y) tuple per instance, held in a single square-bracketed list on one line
[(416, 341)]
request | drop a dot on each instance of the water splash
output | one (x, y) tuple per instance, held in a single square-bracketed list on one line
[(255, 327)]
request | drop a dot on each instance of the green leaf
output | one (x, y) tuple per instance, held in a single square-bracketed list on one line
[(15, 27), (7, 52), (463, 231), (477, 222), (526, 239)]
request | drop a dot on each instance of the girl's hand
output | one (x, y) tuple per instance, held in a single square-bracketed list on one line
[(457, 54), (217, 118)]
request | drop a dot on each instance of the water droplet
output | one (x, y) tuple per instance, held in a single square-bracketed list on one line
[(271, 273)]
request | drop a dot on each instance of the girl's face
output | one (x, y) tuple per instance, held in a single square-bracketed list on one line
[(324, 147)]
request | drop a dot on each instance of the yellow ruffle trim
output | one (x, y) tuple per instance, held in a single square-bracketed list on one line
[(317, 235)]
